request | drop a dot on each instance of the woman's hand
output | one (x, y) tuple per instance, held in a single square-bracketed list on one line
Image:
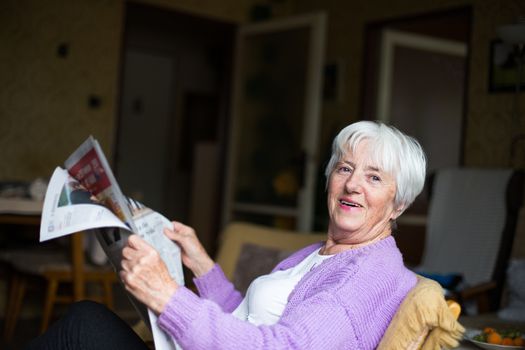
[(193, 254), (145, 275)]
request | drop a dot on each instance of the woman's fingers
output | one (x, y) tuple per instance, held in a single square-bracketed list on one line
[(177, 226), (194, 256), (137, 252), (171, 234), (145, 275), (179, 231), (137, 243), (134, 248)]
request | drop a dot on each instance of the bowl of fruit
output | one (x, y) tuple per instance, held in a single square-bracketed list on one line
[(496, 339)]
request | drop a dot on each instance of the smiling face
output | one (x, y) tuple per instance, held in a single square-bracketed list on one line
[(360, 199)]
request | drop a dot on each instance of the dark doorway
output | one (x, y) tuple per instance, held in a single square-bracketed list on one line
[(175, 89)]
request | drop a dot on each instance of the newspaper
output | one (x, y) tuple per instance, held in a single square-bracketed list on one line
[(89, 166), (86, 197)]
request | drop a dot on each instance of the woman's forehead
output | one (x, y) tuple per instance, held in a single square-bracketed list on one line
[(369, 157), (363, 153)]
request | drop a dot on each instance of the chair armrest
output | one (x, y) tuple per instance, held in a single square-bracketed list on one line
[(480, 294), (475, 291)]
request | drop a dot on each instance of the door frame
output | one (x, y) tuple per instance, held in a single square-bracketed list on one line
[(312, 108), (391, 38)]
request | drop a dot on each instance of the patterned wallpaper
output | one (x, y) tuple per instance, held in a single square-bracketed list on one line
[(488, 115), (44, 109), (44, 99)]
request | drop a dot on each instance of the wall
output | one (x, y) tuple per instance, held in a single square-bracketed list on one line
[(231, 10), (44, 112), (488, 115)]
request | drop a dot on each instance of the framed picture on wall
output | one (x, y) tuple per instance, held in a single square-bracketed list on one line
[(503, 65)]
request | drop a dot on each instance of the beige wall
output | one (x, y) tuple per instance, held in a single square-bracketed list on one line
[(488, 115), (43, 99), (44, 112)]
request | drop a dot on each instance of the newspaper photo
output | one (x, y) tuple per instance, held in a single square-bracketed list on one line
[(88, 199), (89, 166)]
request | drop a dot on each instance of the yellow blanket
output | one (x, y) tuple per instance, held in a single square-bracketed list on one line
[(424, 321)]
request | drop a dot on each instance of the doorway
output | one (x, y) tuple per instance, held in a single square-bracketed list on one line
[(420, 91), (415, 78), (428, 57), (275, 120), (172, 126)]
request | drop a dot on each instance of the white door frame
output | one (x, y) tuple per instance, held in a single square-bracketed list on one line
[(391, 38), (312, 108)]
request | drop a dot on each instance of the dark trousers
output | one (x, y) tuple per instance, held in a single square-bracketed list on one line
[(88, 325)]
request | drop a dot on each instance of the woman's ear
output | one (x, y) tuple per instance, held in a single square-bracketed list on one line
[(397, 212)]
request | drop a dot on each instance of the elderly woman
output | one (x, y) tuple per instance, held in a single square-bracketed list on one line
[(337, 294)]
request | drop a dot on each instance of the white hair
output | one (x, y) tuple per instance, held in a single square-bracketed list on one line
[(392, 151)]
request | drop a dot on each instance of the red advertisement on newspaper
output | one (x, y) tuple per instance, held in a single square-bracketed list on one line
[(90, 173)]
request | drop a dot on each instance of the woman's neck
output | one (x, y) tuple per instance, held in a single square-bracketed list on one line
[(332, 247)]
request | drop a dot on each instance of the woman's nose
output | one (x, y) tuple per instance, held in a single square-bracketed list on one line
[(353, 183)]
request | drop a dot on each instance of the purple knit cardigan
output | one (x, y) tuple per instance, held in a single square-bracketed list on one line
[(346, 302)]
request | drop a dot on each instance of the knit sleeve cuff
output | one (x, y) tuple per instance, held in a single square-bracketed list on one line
[(210, 282), (179, 313)]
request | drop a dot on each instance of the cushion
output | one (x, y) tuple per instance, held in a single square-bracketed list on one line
[(236, 234), (254, 261), (423, 320)]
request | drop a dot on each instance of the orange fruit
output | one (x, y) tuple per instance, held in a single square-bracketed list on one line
[(488, 330), (519, 341), (507, 341), (494, 338)]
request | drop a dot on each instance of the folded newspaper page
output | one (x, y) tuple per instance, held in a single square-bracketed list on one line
[(89, 166), (70, 207)]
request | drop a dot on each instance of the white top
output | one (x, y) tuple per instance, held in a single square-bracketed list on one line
[(267, 295)]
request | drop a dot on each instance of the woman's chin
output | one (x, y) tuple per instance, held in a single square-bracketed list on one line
[(347, 233)]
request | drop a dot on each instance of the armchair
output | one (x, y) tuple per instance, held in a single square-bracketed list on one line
[(423, 321)]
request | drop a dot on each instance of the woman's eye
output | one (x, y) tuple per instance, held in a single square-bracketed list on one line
[(375, 178), (344, 169)]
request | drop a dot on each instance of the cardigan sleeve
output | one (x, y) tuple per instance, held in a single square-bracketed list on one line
[(317, 323), (216, 287), (346, 302)]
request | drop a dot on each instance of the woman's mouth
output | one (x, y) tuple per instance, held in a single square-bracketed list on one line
[(350, 204)]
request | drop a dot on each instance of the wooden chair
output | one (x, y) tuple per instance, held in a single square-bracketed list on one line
[(56, 267), (471, 225)]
